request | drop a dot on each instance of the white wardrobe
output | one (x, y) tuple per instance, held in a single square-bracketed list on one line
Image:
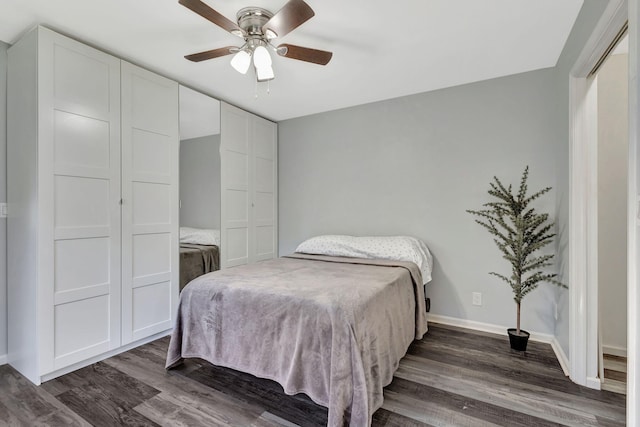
[(249, 181), (93, 204)]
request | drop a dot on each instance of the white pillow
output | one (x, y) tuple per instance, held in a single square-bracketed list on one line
[(396, 248), (199, 236)]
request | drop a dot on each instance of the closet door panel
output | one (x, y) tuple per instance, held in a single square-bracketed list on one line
[(79, 194), (235, 177), (264, 230), (80, 76), (159, 307), (81, 142), (150, 202), (79, 336), (93, 271)]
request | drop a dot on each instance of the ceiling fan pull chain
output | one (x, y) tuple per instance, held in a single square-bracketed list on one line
[(255, 90), (268, 87)]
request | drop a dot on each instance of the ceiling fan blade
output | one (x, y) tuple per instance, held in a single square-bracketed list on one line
[(321, 57), (206, 12), (290, 17), (210, 54)]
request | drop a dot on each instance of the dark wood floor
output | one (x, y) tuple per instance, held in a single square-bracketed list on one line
[(452, 377)]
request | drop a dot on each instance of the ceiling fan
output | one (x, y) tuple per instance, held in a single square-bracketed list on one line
[(258, 27)]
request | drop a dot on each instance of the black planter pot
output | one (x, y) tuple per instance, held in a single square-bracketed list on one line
[(518, 342)]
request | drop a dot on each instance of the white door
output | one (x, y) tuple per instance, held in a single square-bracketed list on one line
[(150, 156), (79, 190), (235, 177), (264, 157)]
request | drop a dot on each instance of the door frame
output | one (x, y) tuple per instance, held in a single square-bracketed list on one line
[(633, 288), (583, 290)]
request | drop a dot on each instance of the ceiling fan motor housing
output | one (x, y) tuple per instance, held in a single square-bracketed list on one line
[(252, 19)]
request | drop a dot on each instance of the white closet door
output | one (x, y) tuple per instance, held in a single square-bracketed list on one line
[(234, 180), (150, 150), (79, 194), (264, 158)]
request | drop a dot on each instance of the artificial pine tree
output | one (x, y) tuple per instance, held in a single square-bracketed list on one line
[(519, 232)]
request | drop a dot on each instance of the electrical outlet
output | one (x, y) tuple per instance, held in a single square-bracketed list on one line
[(477, 298), (3, 210)]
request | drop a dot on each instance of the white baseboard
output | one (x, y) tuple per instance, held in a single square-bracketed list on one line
[(502, 330), (485, 327), (594, 383), (3, 359), (614, 350), (103, 356), (561, 355)]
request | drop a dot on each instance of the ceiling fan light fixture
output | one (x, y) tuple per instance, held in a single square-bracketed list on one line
[(261, 57), (241, 61), (270, 34), (264, 73)]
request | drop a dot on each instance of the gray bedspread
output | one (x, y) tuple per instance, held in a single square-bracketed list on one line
[(332, 328), (196, 260)]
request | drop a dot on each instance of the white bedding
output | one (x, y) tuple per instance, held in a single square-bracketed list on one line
[(199, 236), (395, 248)]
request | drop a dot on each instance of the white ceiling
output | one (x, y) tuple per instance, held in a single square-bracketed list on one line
[(382, 49)]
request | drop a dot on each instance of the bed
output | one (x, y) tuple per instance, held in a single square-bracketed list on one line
[(199, 253), (332, 327)]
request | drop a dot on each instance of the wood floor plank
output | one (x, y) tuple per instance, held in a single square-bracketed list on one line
[(614, 358), (498, 354), (267, 419), (614, 386), (536, 401), (484, 411), (429, 412), (384, 418), (22, 403), (505, 367), (189, 392), (167, 411), (101, 408), (615, 364), (298, 409), (481, 337), (615, 375)]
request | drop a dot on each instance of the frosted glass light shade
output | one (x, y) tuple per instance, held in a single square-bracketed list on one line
[(261, 57), (241, 61), (265, 73)]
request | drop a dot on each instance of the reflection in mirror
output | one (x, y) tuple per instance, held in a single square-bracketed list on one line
[(199, 185)]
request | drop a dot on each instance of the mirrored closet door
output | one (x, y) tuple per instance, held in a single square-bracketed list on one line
[(199, 185)]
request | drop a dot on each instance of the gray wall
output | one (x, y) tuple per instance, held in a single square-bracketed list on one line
[(200, 182), (582, 29), (413, 165), (613, 154), (3, 198)]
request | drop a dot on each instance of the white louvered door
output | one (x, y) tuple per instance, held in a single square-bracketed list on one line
[(150, 150)]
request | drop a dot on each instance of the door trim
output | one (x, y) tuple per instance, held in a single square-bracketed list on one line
[(583, 229), (633, 291)]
